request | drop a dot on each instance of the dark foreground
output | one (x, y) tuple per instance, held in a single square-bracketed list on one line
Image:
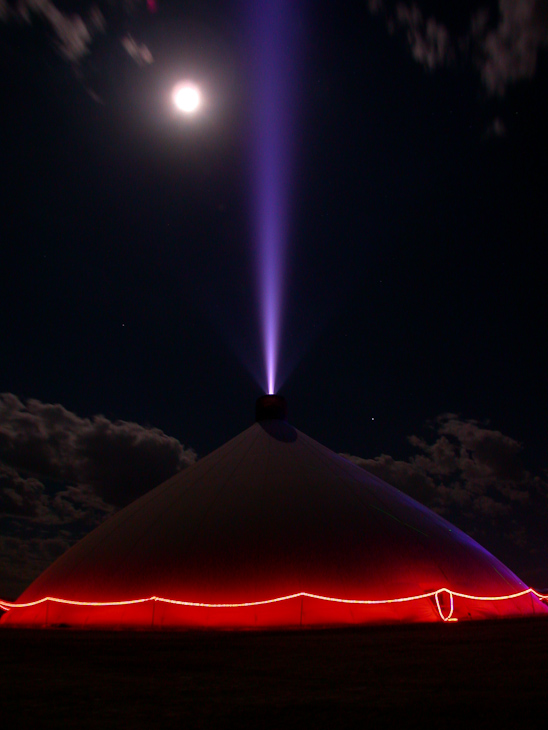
[(458, 675)]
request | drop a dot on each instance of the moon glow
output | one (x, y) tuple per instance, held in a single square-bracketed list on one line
[(187, 97)]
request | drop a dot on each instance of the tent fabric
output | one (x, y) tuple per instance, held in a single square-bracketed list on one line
[(272, 514)]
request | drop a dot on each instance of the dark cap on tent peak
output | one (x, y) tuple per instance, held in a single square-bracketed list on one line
[(271, 407)]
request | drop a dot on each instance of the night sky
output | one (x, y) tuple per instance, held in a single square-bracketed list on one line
[(416, 313)]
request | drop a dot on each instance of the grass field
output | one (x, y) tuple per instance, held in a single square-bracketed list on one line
[(484, 674)]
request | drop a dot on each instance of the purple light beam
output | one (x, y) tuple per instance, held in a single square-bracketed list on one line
[(274, 54)]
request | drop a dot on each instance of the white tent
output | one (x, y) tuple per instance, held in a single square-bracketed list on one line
[(272, 529)]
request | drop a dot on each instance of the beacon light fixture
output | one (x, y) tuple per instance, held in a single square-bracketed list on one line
[(271, 407)]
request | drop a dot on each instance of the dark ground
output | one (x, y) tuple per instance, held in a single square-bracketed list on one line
[(482, 674)]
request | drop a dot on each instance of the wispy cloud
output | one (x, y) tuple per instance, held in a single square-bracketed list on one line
[(504, 48), (138, 51), (73, 34), (509, 52), (430, 41)]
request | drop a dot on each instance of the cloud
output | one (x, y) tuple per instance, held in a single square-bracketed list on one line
[(429, 41), (474, 476), (138, 51), (38, 525), (74, 33), (20, 496), (26, 498), (504, 49), (116, 460), (509, 52), (467, 465), (23, 559), (400, 474)]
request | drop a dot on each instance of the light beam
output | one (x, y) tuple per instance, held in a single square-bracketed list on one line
[(274, 52)]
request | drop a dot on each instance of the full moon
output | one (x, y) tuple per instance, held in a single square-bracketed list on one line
[(187, 97)]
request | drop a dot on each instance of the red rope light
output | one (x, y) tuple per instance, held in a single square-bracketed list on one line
[(449, 616), (8, 606)]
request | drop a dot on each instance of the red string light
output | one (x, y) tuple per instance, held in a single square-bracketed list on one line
[(8, 606), (449, 617)]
